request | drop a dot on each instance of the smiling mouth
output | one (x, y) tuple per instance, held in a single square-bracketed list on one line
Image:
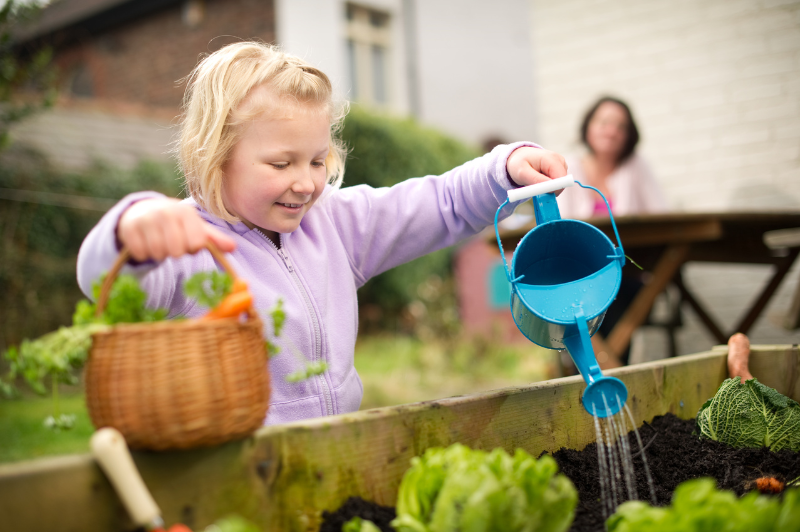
[(291, 205)]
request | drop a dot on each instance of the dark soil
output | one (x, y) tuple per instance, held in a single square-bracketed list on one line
[(674, 453), (358, 507)]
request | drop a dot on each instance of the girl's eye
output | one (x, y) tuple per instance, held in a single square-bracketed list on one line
[(279, 166), (318, 164)]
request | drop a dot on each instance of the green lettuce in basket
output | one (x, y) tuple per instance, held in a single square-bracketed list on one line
[(460, 489)]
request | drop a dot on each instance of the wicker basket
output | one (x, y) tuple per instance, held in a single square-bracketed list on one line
[(178, 384)]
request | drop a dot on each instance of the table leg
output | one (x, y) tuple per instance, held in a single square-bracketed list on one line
[(792, 320), (701, 312), (666, 268)]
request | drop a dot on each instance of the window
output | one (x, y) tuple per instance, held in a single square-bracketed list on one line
[(368, 52)]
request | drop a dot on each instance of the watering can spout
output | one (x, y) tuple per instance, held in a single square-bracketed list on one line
[(604, 396)]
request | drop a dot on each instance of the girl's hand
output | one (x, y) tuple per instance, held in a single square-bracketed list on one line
[(528, 166), (165, 227)]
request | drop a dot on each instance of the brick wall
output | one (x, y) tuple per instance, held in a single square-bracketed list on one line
[(714, 85), (141, 61)]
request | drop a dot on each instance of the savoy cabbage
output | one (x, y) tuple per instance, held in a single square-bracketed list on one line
[(751, 414)]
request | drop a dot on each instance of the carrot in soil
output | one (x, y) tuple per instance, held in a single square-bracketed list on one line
[(739, 357), (769, 485), (230, 307)]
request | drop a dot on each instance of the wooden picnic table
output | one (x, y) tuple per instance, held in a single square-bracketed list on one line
[(663, 243)]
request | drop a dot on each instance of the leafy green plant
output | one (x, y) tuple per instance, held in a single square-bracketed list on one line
[(460, 489), (357, 524), (697, 506), (208, 288), (751, 414), (233, 523), (58, 354)]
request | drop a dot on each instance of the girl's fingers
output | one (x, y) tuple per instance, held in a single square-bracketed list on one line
[(136, 245), (161, 228), (174, 237), (154, 242), (553, 165)]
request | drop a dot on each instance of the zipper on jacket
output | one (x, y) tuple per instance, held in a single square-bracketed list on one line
[(326, 393)]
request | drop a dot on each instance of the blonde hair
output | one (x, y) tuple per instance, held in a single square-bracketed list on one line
[(209, 126)]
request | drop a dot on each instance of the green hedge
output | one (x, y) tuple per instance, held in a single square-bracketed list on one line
[(41, 236), (41, 240)]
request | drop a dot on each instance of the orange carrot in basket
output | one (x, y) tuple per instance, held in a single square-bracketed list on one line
[(230, 307), (239, 285)]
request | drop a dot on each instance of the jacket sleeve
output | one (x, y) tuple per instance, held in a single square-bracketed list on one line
[(99, 251), (383, 228)]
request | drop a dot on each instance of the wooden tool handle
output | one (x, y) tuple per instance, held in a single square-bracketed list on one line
[(111, 452)]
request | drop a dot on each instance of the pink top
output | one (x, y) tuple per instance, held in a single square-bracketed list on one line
[(600, 208), (632, 187)]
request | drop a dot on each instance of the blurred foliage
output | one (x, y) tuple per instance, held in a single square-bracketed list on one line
[(41, 235), (384, 151), (27, 79)]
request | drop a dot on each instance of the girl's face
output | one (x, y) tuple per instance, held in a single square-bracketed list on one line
[(277, 169), (608, 130)]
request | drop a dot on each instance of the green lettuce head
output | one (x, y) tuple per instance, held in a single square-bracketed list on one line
[(751, 415), (698, 506), (458, 488)]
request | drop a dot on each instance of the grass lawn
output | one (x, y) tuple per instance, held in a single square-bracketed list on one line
[(398, 369), (23, 435), (394, 370)]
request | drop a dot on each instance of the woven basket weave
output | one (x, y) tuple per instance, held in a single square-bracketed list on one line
[(178, 384)]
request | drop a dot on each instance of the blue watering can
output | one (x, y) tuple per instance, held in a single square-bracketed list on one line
[(564, 275)]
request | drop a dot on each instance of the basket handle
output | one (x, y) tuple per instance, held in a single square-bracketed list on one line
[(125, 255)]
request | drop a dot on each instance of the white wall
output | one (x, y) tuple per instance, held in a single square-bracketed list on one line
[(714, 85), (316, 31), (476, 68), (473, 59)]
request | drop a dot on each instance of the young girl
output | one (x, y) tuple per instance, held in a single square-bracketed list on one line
[(263, 166)]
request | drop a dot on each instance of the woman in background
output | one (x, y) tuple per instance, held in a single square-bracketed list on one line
[(611, 165)]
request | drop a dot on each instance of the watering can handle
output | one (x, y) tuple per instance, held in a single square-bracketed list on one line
[(523, 193)]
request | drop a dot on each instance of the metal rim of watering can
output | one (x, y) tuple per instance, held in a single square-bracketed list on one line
[(567, 321)]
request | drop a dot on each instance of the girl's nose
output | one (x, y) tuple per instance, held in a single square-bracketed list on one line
[(303, 183)]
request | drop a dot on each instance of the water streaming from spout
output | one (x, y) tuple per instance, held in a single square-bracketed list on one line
[(601, 465), (625, 455), (613, 466), (616, 471), (644, 458)]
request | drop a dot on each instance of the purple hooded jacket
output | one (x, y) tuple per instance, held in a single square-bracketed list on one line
[(349, 236)]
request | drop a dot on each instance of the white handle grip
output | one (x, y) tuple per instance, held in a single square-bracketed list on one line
[(111, 452), (530, 191)]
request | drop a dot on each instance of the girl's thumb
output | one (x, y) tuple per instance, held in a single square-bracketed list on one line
[(223, 242)]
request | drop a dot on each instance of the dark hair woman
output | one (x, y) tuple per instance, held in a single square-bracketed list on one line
[(610, 163)]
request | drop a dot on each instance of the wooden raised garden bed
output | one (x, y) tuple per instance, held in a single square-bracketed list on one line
[(285, 476)]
